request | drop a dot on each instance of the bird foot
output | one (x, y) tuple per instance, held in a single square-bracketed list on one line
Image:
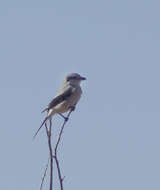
[(73, 108), (65, 118)]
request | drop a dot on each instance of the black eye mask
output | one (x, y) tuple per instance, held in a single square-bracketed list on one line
[(71, 78)]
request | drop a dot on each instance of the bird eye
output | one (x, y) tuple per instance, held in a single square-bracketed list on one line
[(71, 78)]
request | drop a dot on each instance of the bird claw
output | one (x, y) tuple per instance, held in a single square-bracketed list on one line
[(73, 108), (65, 118)]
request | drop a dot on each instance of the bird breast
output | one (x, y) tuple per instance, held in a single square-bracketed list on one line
[(70, 101)]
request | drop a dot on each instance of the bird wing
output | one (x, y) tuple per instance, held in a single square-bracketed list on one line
[(60, 98)]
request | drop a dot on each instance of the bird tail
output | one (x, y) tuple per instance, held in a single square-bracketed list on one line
[(44, 121), (46, 109)]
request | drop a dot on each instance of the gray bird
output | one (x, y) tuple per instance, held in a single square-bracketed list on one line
[(66, 99)]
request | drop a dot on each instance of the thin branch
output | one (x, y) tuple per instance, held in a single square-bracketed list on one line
[(61, 131), (56, 148), (45, 172), (51, 156), (49, 133)]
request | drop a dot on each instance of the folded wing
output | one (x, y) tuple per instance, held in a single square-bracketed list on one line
[(60, 98)]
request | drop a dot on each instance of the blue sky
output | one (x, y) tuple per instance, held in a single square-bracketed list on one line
[(112, 139)]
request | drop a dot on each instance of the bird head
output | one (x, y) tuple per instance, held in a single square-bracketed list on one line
[(74, 78)]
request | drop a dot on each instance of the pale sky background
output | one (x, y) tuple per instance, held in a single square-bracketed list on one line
[(112, 140)]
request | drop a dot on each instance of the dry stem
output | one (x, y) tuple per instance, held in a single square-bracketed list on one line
[(55, 151), (49, 133), (51, 156), (45, 172)]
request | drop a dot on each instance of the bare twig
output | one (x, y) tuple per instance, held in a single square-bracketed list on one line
[(51, 156), (45, 172), (49, 133), (55, 151)]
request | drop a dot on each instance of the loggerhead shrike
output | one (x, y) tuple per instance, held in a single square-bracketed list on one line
[(66, 99)]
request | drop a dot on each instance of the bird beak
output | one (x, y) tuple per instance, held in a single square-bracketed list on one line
[(83, 78)]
